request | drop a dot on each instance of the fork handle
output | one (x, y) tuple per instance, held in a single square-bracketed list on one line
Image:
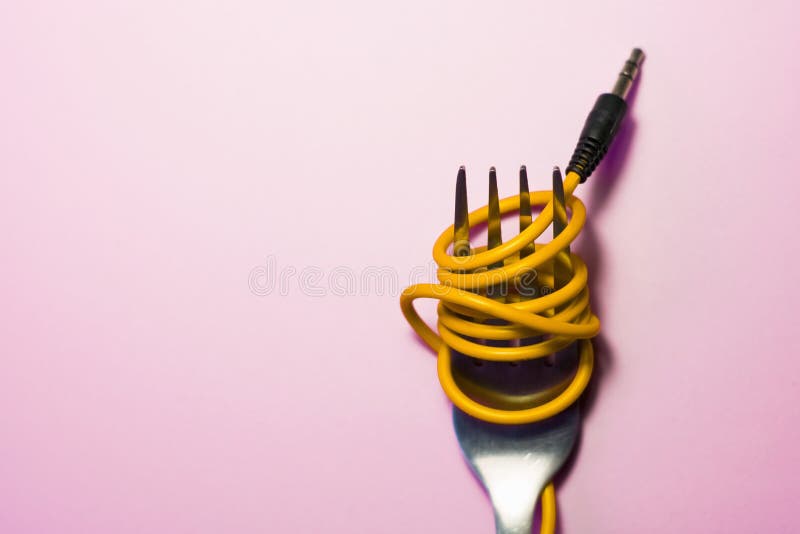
[(518, 527), (513, 511), (520, 519)]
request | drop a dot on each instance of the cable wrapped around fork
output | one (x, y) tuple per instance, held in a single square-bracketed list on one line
[(458, 297), (455, 292)]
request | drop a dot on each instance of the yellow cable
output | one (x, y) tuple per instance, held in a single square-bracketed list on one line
[(573, 322)]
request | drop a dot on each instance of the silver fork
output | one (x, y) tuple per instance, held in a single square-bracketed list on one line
[(514, 462)]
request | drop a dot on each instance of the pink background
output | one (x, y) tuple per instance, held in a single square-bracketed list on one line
[(155, 154)]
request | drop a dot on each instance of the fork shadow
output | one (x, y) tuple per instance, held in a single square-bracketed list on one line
[(605, 179)]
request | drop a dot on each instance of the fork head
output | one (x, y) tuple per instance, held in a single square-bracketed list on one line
[(521, 384)]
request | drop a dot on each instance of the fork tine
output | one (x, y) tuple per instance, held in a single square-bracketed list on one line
[(525, 213), (494, 230), (559, 204), (526, 286), (495, 238), (561, 270), (461, 246)]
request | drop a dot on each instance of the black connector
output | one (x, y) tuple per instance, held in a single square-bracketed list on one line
[(603, 121)]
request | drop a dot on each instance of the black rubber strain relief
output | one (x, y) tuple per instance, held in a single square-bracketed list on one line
[(598, 132), (585, 158)]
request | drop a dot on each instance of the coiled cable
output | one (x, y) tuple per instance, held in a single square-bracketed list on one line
[(457, 298)]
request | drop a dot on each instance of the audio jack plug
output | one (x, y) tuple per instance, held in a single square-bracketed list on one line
[(603, 121)]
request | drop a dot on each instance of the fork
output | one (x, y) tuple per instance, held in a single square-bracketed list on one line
[(514, 462)]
